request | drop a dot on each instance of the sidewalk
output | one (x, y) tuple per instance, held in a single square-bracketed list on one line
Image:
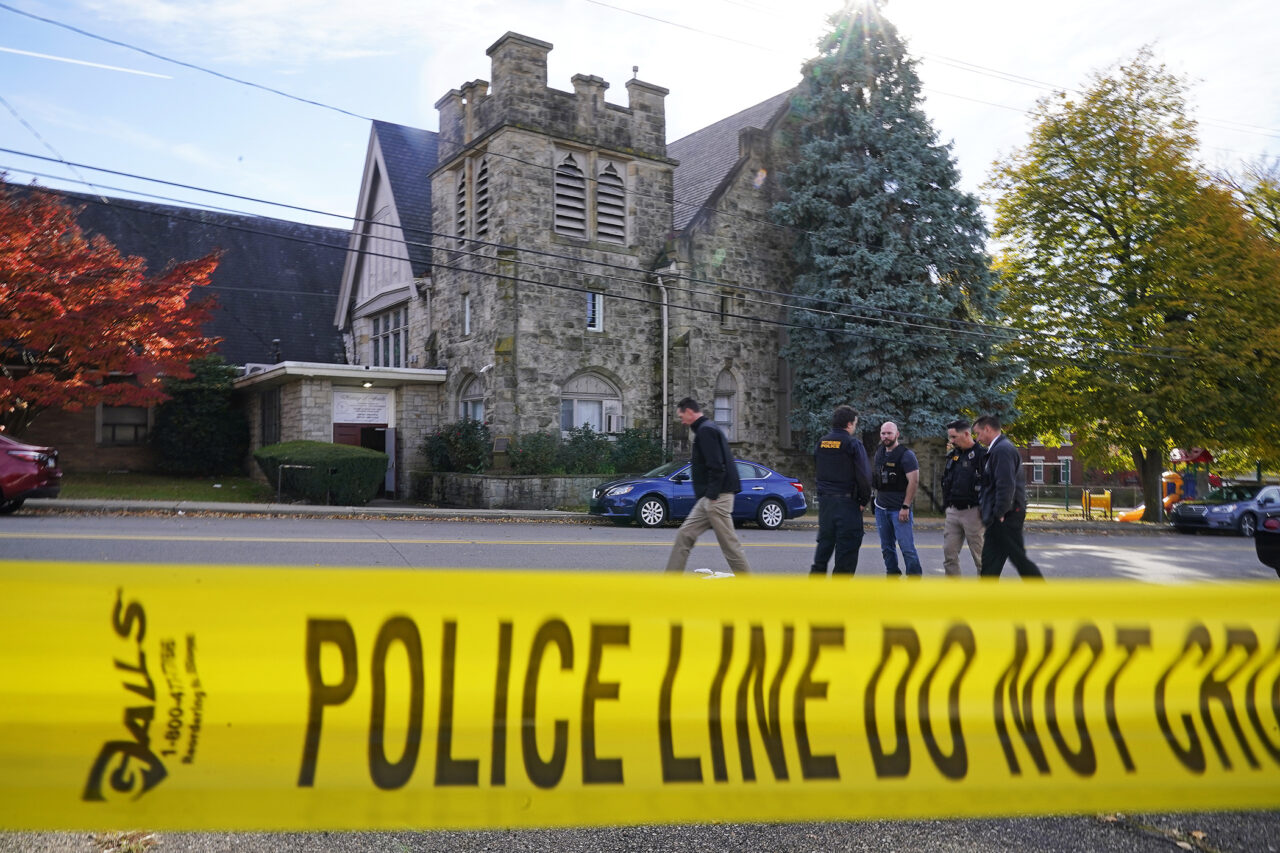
[(381, 508)]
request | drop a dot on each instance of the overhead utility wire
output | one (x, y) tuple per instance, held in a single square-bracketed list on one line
[(180, 62), (469, 147), (954, 325), (526, 250), (1039, 358)]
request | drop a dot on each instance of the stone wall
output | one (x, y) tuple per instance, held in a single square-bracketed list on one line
[(504, 491)]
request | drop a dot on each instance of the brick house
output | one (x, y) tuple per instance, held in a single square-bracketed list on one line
[(274, 285)]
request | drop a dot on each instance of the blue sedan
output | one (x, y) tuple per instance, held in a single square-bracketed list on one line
[(1235, 507), (665, 493)]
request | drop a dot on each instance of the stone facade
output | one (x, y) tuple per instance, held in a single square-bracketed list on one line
[(499, 491), (516, 319)]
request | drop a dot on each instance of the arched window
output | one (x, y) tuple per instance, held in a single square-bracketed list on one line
[(482, 198), (591, 400), (611, 206), (726, 404), (471, 400), (460, 207), (571, 198)]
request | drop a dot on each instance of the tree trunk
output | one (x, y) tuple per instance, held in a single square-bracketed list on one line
[(1149, 462)]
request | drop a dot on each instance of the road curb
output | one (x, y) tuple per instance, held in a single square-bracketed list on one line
[(405, 511)]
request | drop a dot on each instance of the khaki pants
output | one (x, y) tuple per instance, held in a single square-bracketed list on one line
[(961, 525), (716, 515)]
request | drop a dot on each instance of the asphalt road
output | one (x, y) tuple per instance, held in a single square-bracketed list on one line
[(571, 546), (201, 539)]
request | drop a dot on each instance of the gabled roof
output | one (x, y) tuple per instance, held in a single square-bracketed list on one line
[(708, 156), (276, 279), (410, 156)]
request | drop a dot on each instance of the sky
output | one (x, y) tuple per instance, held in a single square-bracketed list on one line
[(125, 85)]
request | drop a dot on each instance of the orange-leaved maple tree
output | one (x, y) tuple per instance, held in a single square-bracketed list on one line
[(75, 313)]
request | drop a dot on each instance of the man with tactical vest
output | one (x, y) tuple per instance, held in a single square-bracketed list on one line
[(844, 488), (895, 475), (960, 480)]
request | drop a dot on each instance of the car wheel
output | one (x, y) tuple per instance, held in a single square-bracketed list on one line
[(1248, 524), (771, 515), (8, 506), (651, 512), (1181, 529)]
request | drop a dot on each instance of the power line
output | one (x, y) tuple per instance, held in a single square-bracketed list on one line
[(1006, 336), (180, 62), (894, 317)]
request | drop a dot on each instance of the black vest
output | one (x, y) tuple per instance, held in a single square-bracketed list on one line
[(888, 475)]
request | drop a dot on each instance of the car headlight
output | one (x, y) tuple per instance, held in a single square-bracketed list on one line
[(1223, 508), (618, 490)]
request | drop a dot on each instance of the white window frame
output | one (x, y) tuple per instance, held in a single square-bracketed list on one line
[(599, 404), (471, 400), (1064, 470), (466, 315), (389, 338), (725, 404), (595, 311), (1037, 470)]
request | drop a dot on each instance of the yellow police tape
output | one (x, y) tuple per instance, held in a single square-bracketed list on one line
[(196, 697)]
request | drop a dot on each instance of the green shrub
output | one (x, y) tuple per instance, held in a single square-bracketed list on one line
[(636, 451), (197, 432), (339, 474), (464, 446), (586, 451), (535, 453)]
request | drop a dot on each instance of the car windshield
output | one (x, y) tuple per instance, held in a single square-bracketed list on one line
[(667, 469), (1235, 492)]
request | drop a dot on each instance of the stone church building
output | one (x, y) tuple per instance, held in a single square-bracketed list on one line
[(547, 260)]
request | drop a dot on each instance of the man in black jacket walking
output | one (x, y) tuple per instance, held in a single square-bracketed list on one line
[(715, 482), (1003, 503), (844, 488)]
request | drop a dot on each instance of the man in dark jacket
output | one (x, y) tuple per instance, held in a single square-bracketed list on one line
[(1003, 502), (715, 482), (844, 488)]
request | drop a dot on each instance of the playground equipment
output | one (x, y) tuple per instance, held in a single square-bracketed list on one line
[(1170, 485), (1089, 501)]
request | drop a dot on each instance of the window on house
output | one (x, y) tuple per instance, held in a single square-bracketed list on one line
[(269, 417), (611, 205), (726, 404), (595, 311), (123, 425), (1037, 470), (593, 401), (466, 314), (1065, 473), (482, 198), (460, 208), (471, 400), (571, 198), (390, 338)]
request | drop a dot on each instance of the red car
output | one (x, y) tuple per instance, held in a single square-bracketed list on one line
[(26, 471)]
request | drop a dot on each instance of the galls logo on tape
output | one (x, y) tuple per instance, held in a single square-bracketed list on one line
[(131, 764)]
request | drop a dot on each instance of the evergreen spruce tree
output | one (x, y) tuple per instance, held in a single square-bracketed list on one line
[(891, 275)]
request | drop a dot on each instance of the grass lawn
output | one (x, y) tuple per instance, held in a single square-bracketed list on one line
[(157, 487)]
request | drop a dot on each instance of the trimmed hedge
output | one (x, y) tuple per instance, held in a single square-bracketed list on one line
[(339, 474)]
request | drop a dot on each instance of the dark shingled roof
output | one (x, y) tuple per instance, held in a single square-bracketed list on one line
[(706, 156), (410, 156), (276, 279)]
